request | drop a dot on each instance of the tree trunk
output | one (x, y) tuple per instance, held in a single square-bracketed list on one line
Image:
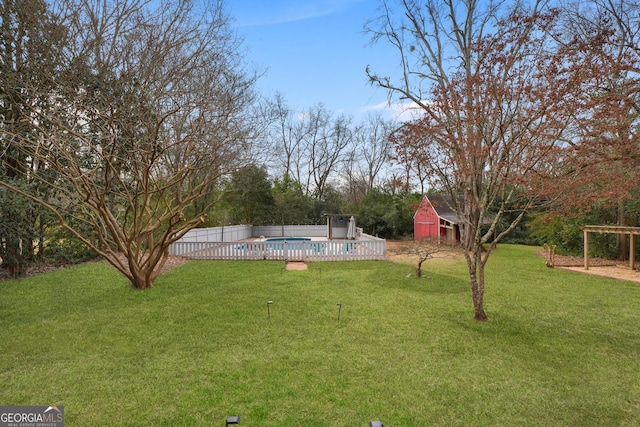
[(14, 259), (142, 283), (141, 279), (143, 273), (142, 270), (476, 281)]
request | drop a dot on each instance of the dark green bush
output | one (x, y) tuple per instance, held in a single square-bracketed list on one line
[(67, 251)]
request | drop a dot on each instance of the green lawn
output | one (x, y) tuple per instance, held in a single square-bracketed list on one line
[(560, 348)]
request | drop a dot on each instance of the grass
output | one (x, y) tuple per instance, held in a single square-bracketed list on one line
[(560, 348)]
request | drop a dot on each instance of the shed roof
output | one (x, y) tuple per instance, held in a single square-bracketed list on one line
[(443, 205)]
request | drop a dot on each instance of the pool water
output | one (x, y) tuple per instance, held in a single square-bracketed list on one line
[(288, 239)]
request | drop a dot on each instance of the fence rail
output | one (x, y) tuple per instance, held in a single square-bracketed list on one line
[(307, 251)]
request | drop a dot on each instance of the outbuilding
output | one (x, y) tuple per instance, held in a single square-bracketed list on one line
[(342, 226), (436, 220)]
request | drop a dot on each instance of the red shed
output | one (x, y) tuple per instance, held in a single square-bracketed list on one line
[(436, 220)]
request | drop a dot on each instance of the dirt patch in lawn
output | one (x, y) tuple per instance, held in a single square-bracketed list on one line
[(597, 267), (612, 271), (171, 262), (296, 265), (404, 251)]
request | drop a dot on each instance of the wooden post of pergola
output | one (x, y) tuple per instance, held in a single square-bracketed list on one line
[(586, 249), (631, 231)]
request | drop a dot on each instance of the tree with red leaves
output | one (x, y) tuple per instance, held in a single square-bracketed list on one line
[(501, 103), (604, 149)]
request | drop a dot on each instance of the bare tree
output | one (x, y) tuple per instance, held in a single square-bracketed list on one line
[(328, 139), (287, 134), (425, 251), (368, 161), (149, 114), (374, 147), (310, 145), (354, 187), (495, 93)]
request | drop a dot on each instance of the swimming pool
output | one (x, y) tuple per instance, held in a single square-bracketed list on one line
[(294, 244), (288, 239)]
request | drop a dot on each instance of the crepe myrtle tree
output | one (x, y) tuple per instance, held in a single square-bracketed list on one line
[(606, 141), (149, 115), (495, 93)]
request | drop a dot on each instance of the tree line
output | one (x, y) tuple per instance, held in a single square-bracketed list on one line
[(125, 124)]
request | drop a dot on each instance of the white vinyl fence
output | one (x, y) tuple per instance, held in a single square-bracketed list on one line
[(198, 246), (230, 233)]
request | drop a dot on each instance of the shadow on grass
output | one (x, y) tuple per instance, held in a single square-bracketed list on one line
[(551, 336), (433, 284)]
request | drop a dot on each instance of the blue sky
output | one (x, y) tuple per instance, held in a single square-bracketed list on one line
[(314, 51)]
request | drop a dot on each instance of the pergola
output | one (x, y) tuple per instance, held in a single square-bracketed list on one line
[(631, 231)]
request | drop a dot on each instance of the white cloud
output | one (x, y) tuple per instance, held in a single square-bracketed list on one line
[(401, 111)]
